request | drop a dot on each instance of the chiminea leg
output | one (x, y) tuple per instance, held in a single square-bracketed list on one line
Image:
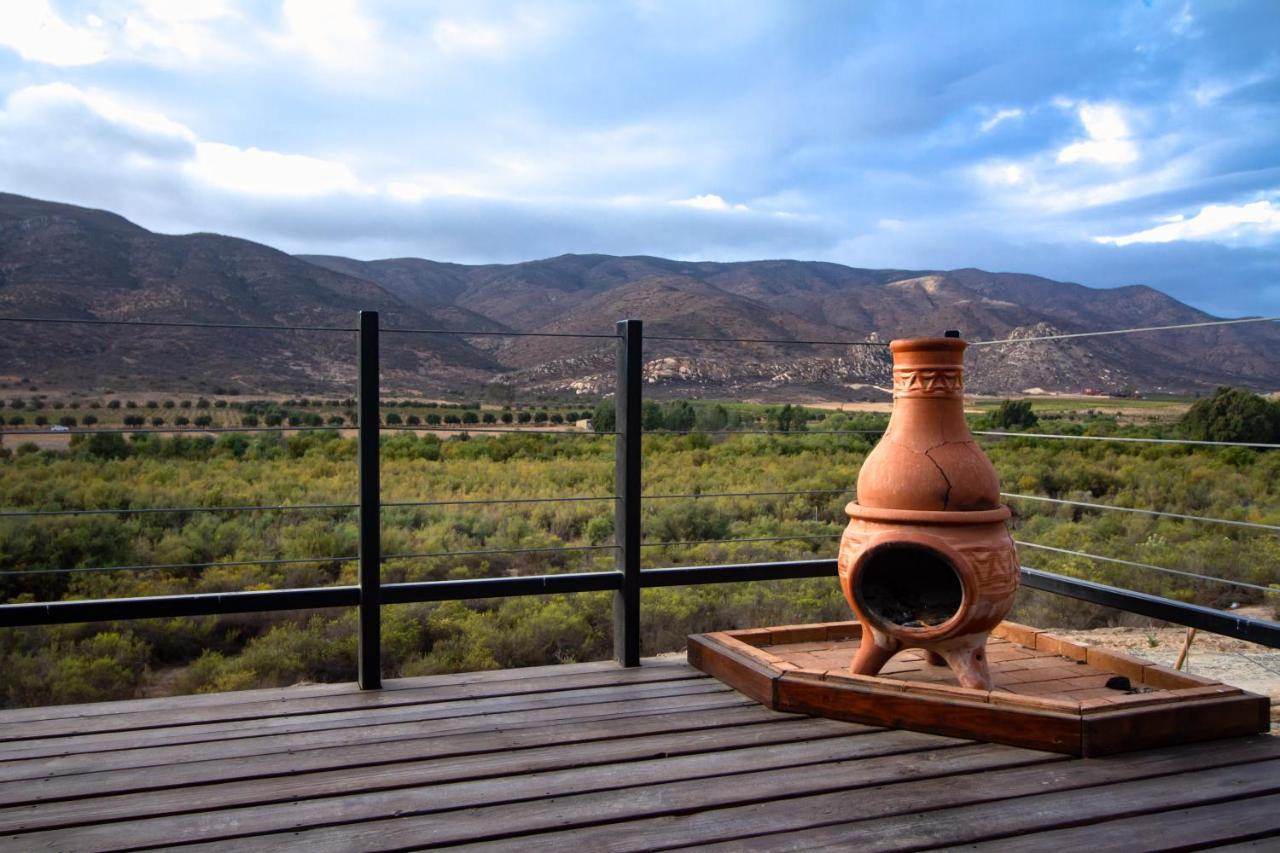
[(874, 652), (967, 658)]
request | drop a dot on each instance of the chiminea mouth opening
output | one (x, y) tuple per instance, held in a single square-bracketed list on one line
[(909, 586)]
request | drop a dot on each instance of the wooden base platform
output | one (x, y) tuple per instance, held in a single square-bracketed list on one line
[(1050, 693), (586, 757)]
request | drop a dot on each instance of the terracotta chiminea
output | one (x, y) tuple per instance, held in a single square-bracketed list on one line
[(927, 561)]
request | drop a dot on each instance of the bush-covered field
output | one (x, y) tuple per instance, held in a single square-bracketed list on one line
[(88, 662)]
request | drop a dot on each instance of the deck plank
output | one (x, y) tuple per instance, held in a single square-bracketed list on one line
[(592, 721), (891, 799), (348, 721), (587, 757), (1246, 819)]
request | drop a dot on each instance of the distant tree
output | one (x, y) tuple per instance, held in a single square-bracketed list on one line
[(651, 417), (713, 418), (202, 403), (114, 404), (203, 420), (131, 404), (157, 421), (413, 420), (507, 417), (489, 418), (452, 419), (787, 419), (41, 420), (169, 404), (1233, 414), (680, 416), (573, 417), (133, 420), (184, 404), (17, 404), (181, 420), (336, 420), (470, 417), (557, 418), (433, 419), (152, 404), (605, 417), (393, 418), (89, 420), (540, 417), (273, 419), (106, 445), (17, 420), (523, 417), (249, 421), (1014, 414)]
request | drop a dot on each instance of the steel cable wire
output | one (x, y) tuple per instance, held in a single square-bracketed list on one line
[(1243, 584), (1155, 512)]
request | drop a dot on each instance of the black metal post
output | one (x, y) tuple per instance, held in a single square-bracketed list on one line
[(626, 601), (369, 672)]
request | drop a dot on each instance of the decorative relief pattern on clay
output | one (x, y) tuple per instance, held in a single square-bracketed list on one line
[(927, 382), (997, 568)]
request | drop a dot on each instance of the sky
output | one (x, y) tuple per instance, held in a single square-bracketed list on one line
[(1107, 143)]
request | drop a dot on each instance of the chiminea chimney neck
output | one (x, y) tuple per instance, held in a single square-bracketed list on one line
[(928, 368)]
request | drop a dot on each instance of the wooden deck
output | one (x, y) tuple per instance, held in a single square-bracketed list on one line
[(588, 757)]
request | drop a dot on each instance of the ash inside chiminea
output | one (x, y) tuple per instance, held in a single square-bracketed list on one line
[(909, 586)]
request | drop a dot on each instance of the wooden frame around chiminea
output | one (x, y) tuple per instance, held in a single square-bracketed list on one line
[(804, 669)]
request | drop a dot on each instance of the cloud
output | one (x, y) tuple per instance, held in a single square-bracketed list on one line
[(37, 33), (710, 201), (1001, 174), (1108, 141), (998, 117), (1218, 222), (152, 31), (253, 171), (451, 35)]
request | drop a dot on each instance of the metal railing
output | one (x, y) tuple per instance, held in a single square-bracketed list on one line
[(626, 580)]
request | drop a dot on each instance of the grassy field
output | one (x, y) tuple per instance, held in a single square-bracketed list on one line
[(84, 662)]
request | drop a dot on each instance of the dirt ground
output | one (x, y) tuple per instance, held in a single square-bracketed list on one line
[(1245, 665)]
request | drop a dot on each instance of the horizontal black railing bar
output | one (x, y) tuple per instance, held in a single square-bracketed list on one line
[(30, 513), (1066, 335), (1154, 512), (557, 549), (1129, 439), (1153, 606), (473, 588), (477, 333), (207, 604), (171, 606), (170, 324), (796, 432), (862, 343), (1133, 564), (170, 430), (793, 493), (735, 541), (495, 501), (586, 433), (272, 561), (737, 573)]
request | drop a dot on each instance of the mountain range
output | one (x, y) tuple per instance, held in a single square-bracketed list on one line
[(67, 262)]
